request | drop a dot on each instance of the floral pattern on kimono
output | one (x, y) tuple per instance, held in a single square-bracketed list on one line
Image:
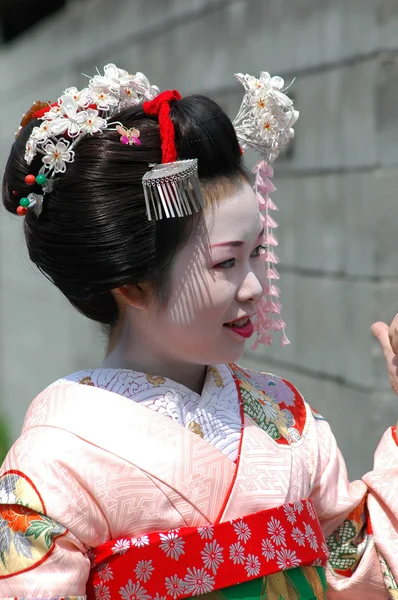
[(27, 534), (348, 542), (276, 407)]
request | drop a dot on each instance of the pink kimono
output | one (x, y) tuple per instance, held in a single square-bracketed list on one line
[(95, 466)]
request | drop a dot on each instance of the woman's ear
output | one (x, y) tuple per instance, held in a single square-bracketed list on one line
[(134, 294)]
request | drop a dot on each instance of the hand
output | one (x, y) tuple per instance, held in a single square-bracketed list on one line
[(388, 339), (393, 334)]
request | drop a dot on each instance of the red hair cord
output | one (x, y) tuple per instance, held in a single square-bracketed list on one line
[(160, 107)]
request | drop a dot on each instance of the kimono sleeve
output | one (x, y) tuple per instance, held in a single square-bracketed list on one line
[(359, 520), (49, 518)]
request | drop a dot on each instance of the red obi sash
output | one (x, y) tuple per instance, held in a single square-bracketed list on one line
[(196, 560)]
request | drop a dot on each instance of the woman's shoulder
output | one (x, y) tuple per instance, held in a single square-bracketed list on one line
[(57, 399), (275, 404), (58, 425), (83, 377)]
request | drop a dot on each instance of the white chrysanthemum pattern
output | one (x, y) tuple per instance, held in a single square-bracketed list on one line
[(212, 555), (287, 559), (134, 591), (143, 570), (298, 536), (172, 545), (105, 572), (237, 553), (198, 581), (102, 592), (206, 532), (310, 536), (252, 565), (140, 541), (268, 549), (174, 586), (242, 531), (121, 546), (276, 532)]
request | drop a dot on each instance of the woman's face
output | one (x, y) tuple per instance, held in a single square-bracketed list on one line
[(216, 278)]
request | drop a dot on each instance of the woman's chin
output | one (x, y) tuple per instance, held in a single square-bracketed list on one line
[(232, 354)]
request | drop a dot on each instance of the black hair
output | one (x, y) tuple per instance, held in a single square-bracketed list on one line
[(93, 234)]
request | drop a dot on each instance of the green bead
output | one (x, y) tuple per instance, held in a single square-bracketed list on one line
[(41, 179), (24, 202)]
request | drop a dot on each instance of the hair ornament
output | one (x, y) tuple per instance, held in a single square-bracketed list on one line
[(172, 189), (77, 113), (34, 200), (129, 136), (30, 201), (265, 123), (28, 116)]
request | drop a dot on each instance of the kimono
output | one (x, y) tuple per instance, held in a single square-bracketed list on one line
[(131, 486)]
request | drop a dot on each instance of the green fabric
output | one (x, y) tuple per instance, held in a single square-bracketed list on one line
[(301, 583), (5, 442)]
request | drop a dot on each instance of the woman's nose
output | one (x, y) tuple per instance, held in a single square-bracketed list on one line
[(251, 288)]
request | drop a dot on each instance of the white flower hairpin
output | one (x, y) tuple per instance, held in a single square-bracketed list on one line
[(77, 113), (265, 123), (266, 116)]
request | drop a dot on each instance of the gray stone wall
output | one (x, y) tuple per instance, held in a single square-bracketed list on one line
[(337, 187)]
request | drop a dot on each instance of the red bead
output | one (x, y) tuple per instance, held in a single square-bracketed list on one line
[(21, 210), (15, 192), (30, 179)]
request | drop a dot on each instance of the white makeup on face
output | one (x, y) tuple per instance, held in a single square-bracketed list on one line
[(216, 278)]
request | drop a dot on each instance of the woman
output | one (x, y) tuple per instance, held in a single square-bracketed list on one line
[(169, 471)]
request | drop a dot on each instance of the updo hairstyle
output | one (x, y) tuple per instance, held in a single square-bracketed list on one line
[(93, 234)]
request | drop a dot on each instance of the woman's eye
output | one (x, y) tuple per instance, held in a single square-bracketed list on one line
[(227, 264), (231, 262), (259, 251)]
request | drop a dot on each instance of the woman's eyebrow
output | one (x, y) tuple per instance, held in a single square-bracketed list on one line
[(236, 243)]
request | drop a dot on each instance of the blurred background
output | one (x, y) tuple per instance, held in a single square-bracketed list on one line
[(336, 186)]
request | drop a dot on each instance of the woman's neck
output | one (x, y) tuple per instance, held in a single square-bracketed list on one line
[(122, 354)]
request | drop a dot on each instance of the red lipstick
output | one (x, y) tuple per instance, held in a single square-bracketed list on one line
[(243, 327)]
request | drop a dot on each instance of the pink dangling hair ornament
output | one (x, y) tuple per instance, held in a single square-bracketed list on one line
[(265, 123), (269, 308)]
